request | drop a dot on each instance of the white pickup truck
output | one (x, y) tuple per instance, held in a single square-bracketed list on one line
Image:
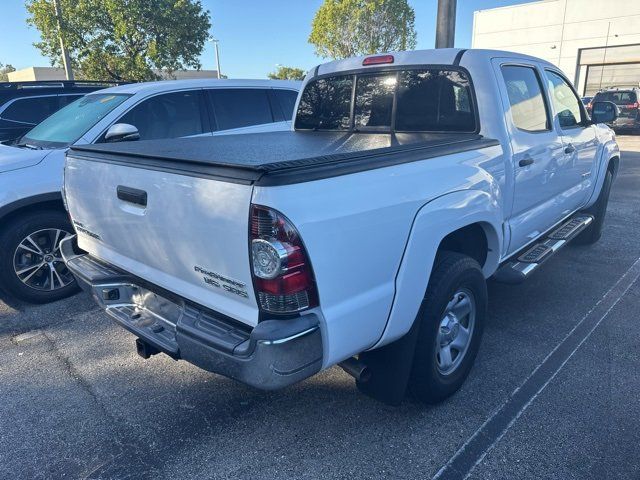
[(364, 237)]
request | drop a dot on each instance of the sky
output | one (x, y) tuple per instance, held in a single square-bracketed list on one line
[(255, 35)]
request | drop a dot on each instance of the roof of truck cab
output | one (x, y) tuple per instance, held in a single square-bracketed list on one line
[(440, 56), (170, 85)]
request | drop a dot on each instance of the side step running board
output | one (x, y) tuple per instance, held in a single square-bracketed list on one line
[(527, 261)]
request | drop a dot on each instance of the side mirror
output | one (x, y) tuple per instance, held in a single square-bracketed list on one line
[(604, 112), (121, 132)]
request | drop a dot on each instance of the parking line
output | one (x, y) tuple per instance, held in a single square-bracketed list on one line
[(476, 448)]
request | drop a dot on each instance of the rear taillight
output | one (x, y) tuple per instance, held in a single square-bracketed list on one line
[(282, 274)]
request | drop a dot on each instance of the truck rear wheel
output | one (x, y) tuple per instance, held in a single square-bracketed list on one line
[(31, 267), (451, 320)]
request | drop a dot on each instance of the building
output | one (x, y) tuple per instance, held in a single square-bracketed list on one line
[(51, 73), (595, 42)]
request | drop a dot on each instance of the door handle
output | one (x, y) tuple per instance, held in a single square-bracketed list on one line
[(569, 149), (525, 161), (132, 195)]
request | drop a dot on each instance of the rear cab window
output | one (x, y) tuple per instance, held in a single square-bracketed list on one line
[(621, 97), (395, 100)]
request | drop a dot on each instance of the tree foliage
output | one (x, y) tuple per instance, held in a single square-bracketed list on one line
[(347, 28), (4, 69), (287, 73), (123, 39)]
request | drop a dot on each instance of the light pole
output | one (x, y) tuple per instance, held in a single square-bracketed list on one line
[(215, 43), (446, 24), (66, 59)]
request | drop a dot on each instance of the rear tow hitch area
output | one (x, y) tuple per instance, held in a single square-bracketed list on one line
[(145, 350)]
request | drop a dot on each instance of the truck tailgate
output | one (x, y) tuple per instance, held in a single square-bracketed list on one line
[(186, 234)]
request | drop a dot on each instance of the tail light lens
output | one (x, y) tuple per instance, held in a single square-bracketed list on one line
[(282, 274), (378, 60)]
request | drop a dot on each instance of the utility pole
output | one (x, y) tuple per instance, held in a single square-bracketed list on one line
[(215, 43), (446, 24), (66, 59)]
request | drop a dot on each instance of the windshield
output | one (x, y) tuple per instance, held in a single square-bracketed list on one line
[(415, 100), (619, 97), (71, 122)]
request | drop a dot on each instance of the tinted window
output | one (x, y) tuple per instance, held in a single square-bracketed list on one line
[(67, 99), (619, 98), (71, 122), (374, 100), (171, 115), (236, 108), (565, 102), (326, 104), (427, 100), (434, 100), (287, 101), (528, 109), (31, 110)]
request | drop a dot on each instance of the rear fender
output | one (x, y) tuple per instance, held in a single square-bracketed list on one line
[(433, 222)]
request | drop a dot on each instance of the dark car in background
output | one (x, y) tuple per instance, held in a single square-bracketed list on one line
[(627, 101), (586, 101), (25, 104)]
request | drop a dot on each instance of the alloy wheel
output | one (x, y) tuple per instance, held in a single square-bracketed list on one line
[(37, 261)]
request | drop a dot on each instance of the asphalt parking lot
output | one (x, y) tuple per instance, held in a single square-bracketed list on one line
[(554, 393)]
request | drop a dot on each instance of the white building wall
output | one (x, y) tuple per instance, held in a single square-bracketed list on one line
[(556, 29)]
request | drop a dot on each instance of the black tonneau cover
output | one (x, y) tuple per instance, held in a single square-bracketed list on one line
[(280, 158)]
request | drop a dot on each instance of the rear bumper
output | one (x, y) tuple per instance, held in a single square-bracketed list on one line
[(274, 354)]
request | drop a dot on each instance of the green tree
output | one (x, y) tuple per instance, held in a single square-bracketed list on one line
[(347, 28), (4, 69), (123, 39), (287, 73)]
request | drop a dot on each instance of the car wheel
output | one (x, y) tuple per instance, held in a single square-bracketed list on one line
[(451, 319), (599, 210), (31, 266)]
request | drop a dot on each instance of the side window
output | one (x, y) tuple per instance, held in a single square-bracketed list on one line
[(287, 101), (31, 110), (528, 107), (242, 107), (171, 115), (565, 102)]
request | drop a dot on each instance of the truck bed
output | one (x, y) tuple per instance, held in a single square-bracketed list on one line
[(281, 158)]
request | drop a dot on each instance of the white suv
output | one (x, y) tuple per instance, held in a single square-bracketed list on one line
[(32, 216)]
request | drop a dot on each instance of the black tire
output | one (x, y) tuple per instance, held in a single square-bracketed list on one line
[(11, 236), (453, 272), (599, 210)]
